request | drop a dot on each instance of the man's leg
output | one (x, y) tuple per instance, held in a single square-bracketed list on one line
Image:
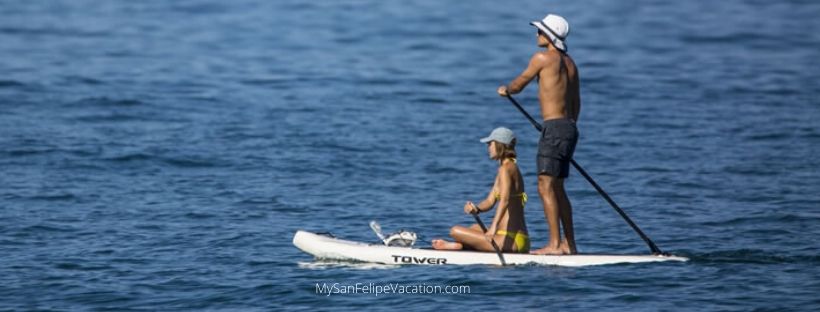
[(546, 188), (565, 212)]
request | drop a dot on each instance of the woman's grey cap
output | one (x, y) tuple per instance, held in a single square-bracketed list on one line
[(501, 135)]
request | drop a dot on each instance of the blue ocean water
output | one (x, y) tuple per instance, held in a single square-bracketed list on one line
[(160, 155)]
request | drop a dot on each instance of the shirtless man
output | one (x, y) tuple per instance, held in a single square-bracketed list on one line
[(558, 92)]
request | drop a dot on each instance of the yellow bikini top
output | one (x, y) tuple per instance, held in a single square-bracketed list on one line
[(523, 196)]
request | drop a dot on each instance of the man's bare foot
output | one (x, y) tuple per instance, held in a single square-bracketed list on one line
[(548, 250), (445, 245), (566, 248)]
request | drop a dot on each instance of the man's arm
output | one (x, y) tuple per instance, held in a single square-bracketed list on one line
[(536, 64)]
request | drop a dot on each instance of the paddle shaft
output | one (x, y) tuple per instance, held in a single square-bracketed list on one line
[(652, 246), (492, 241)]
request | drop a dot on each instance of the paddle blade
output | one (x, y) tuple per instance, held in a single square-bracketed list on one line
[(377, 229)]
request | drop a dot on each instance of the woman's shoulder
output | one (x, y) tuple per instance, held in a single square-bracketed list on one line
[(508, 168)]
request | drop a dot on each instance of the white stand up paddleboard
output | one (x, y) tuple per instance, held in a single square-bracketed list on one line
[(326, 247)]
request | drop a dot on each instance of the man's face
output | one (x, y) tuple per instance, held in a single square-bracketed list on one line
[(542, 39)]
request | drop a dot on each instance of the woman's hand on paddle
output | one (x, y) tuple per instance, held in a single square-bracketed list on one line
[(470, 208), (490, 234), (502, 91)]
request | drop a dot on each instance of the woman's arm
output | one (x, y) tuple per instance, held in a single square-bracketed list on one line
[(486, 204), (503, 189)]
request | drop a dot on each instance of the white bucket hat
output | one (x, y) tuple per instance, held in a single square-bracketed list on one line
[(556, 28)]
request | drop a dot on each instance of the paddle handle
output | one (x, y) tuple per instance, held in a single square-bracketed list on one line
[(492, 241), (521, 109)]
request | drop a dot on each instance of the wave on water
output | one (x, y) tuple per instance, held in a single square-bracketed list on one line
[(429, 100), (130, 157), (29, 151), (192, 162), (80, 265), (60, 32), (84, 80), (200, 215), (322, 264), (274, 204), (106, 102), (765, 218), (729, 39), (115, 110), (750, 256), (178, 162), (10, 83), (271, 82), (45, 228), (54, 197), (109, 117)]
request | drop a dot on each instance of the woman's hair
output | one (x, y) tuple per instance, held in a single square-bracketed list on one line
[(504, 150)]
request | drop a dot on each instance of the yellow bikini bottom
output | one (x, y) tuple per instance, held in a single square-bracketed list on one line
[(522, 241)]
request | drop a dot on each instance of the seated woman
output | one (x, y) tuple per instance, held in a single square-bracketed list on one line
[(508, 228)]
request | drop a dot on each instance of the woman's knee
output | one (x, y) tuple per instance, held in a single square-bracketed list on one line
[(456, 231)]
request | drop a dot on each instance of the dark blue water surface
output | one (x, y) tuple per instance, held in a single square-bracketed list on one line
[(160, 155)]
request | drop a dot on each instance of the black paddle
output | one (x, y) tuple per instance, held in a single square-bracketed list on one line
[(652, 246), (492, 241)]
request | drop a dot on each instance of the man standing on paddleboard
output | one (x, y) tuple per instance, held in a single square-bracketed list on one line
[(558, 93)]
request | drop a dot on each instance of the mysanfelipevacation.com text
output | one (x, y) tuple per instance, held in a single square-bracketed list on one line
[(376, 289)]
